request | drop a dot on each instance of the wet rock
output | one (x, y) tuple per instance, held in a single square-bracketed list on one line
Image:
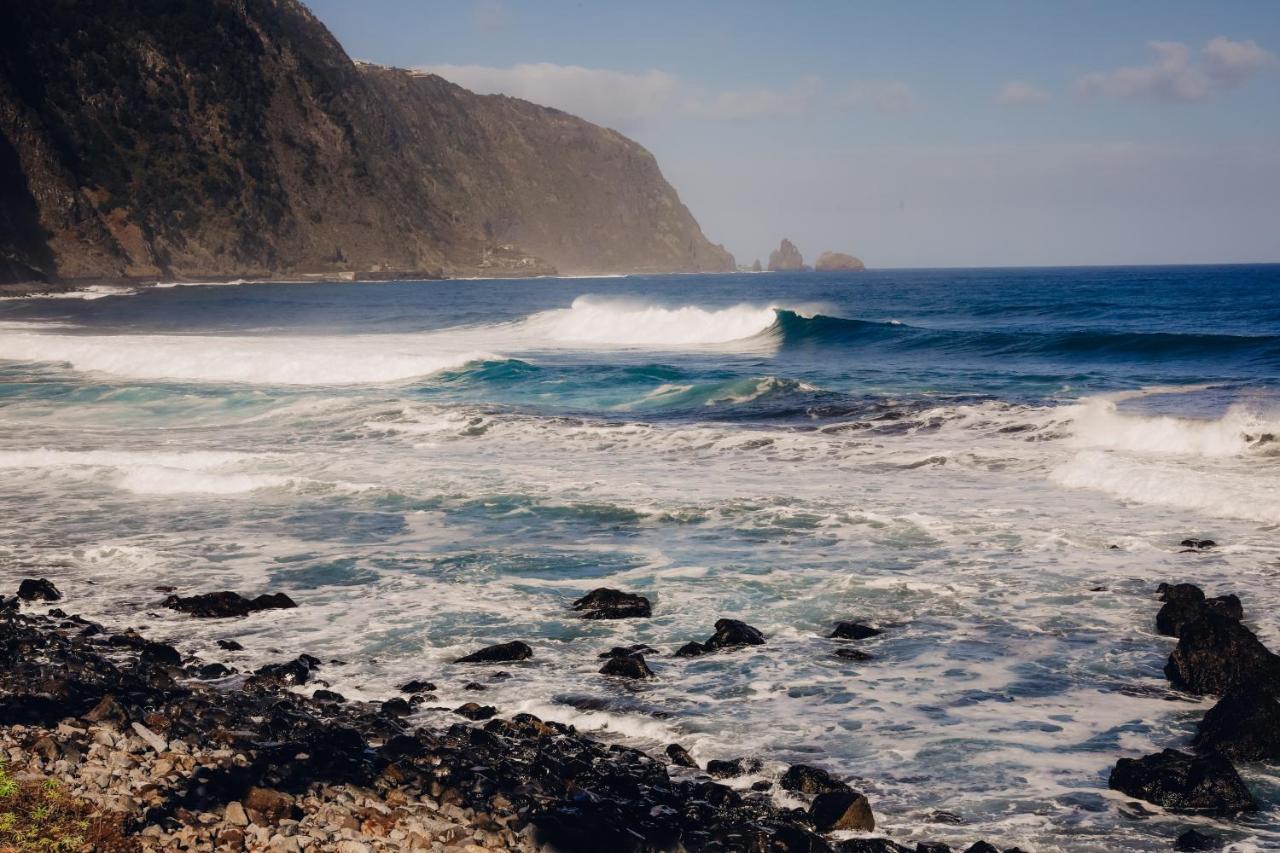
[(627, 666), (1198, 544), (680, 756), (230, 646), (732, 633), (932, 847), (1244, 725), (328, 696), (810, 780), (474, 686), (872, 845), (762, 785), (853, 631), (1216, 653), (623, 651), (733, 768), (296, 671), (692, 649), (396, 707), (838, 810), (1195, 840), (981, 847), (108, 710), (222, 605), (1184, 783), (501, 653), (38, 590), (160, 653), (853, 654), (605, 603), (212, 671), (1184, 603), (472, 711), (417, 686)]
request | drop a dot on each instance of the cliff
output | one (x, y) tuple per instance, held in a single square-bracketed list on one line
[(786, 258), (830, 261), (194, 138)]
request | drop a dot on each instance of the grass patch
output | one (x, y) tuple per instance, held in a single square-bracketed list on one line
[(40, 816)]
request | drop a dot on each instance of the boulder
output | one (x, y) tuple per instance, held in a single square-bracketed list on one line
[(1184, 603), (396, 707), (627, 666), (605, 603), (296, 671), (1216, 653), (807, 779), (223, 605), (1195, 840), (501, 653), (38, 590), (230, 646), (833, 261), (1244, 725), (786, 258), (473, 711), (1184, 783), (731, 633), (417, 686), (733, 768), (108, 710), (853, 631), (328, 697), (692, 649), (839, 810), (680, 756), (878, 845)]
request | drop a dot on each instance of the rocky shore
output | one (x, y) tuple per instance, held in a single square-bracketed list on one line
[(151, 750)]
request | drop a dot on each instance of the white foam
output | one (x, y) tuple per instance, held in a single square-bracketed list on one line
[(346, 360), (1097, 423), (154, 472), (591, 320)]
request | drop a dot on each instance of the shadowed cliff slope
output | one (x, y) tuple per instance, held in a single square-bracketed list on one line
[(189, 138)]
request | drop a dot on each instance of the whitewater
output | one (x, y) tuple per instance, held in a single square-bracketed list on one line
[(995, 467)]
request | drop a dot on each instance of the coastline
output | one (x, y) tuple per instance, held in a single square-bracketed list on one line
[(163, 752)]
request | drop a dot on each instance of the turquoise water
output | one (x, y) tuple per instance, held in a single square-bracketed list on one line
[(428, 467)]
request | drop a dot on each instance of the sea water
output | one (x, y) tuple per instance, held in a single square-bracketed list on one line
[(993, 466)]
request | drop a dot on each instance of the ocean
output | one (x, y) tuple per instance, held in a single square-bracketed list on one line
[(993, 466)]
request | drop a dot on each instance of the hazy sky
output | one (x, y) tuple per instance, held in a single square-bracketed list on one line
[(908, 133)]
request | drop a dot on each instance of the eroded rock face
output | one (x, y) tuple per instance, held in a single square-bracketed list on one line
[(833, 261), (606, 603), (786, 258), (222, 605), (1216, 653), (839, 810), (1184, 783), (1244, 725)]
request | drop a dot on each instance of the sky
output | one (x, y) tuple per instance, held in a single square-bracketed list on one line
[(911, 134)]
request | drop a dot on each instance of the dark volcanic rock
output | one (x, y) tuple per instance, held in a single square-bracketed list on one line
[(1244, 725), (733, 768), (981, 847), (853, 631), (853, 654), (296, 671), (328, 696), (38, 590), (220, 605), (692, 649), (605, 603), (417, 686), (230, 646), (680, 756), (501, 653), (810, 780), (473, 711), (1184, 783), (396, 707), (1184, 603), (627, 666), (1194, 840), (1216, 653), (1198, 544), (833, 810), (883, 845), (731, 633)]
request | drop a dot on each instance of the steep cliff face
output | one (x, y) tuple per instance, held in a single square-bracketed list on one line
[(188, 138), (785, 258)]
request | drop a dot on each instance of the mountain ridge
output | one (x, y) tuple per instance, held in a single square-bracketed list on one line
[(196, 139)]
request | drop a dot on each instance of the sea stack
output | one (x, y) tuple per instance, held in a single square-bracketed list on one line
[(829, 261), (786, 258)]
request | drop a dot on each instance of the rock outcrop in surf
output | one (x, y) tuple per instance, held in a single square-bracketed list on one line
[(226, 139), (837, 261), (786, 258)]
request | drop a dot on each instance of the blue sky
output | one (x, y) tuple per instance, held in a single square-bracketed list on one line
[(909, 133)]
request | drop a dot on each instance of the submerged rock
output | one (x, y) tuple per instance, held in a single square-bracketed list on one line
[(853, 631), (731, 633), (222, 605), (38, 590), (692, 649), (1184, 783), (1198, 544), (501, 653), (853, 654), (1244, 725), (230, 646), (605, 603), (1216, 653), (627, 666)]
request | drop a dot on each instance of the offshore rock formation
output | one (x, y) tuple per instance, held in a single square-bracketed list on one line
[(236, 138), (830, 261), (786, 258)]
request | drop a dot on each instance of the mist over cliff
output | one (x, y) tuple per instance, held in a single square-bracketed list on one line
[(189, 138)]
